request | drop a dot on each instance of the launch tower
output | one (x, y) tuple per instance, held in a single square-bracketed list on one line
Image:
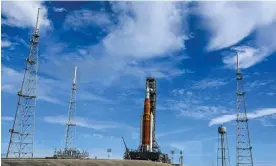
[(148, 148), (70, 150), (243, 150), (70, 125), (223, 152), (21, 144)]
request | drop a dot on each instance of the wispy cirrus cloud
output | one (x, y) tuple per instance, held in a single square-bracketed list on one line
[(6, 118), (168, 133), (193, 106), (270, 94), (5, 43), (192, 148), (84, 122), (209, 83), (266, 122), (83, 18), (12, 79), (257, 84), (59, 9), (228, 118), (87, 96)]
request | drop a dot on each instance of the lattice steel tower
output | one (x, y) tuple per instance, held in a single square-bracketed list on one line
[(21, 144), (70, 125), (243, 149), (223, 158)]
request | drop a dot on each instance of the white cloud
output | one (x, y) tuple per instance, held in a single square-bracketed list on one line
[(97, 135), (209, 83), (256, 114), (163, 134), (83, 122), (6, 118), (138, 33), (248, 57), (122, 68), (230, 22), (271, 94), (193, 148), (12, 80), (266, 122), (91, 97), (257, 84), (83, 18), (193, 107), (151, 32), (194, 104), (24, 14), (89, 136), (5, 43), (120, 45), (59, 9)]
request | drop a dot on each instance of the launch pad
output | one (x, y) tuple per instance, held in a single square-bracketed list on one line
[(153, 156)]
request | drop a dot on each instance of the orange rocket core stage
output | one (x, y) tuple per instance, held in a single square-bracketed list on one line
[(146, 124)]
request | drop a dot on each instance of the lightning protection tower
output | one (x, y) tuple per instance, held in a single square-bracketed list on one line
[(223, 152), (70, 125), (243, 149), (21, 144)]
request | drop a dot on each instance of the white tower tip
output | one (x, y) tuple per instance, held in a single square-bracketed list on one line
[(75, 75)]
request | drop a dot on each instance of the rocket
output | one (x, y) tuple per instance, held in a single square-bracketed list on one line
[(147, 124)]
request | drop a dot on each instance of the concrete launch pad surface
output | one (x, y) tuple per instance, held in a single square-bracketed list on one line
[(76, 162)]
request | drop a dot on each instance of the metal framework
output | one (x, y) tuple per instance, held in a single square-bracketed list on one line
[(70, 151), (243, 149), (21, 144), (70, 125), (223, 158)]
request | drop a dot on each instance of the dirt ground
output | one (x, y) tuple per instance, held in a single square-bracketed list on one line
[(75, 162)]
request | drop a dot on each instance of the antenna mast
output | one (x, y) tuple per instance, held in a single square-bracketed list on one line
[(243, 149), (21, 144), (70, 125)]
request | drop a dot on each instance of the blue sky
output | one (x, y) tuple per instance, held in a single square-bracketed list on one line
[(189, 47)]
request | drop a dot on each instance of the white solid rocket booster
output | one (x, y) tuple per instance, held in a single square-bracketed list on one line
[(141, 130), (151, 130)]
